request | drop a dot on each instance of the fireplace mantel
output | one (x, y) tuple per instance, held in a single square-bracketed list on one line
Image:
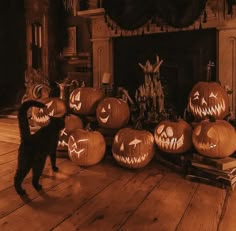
[(102, 45)]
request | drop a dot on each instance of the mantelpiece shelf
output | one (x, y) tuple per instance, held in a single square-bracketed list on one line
[(91, 12)]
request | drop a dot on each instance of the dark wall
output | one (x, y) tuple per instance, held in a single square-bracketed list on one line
[(12, 51)]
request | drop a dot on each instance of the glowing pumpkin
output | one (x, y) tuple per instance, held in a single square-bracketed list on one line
[(72, 122), (173, 136), (55, 107), (86, 147), (208, 99), (112, 113), (84, 100), (214, 139), (133, 148)]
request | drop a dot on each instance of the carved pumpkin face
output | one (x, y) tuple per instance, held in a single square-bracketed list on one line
[(84, 100), (72, 122), (173, 136), (214, 139), (86, 147), (133, 148), (208, 99), (112, 113), (55, 107)]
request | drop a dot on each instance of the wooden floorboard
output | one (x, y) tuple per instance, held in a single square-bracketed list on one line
[(108, 197)]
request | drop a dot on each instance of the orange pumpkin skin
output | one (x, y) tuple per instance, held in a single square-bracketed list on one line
[(112, 113), (173, 136), (214, 139), (133, 148), (55, 107), (72, 122), (85, 147), (208, 99), (84, 100)]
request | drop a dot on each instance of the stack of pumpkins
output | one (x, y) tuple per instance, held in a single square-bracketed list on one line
[(133, 148)]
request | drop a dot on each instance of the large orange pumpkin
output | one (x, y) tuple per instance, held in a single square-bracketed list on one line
[(55, 107), (133, 148), (86, 147), (214, 139), (112, 113), (84, 100), (173, 136), (72, 122), (208, 99)]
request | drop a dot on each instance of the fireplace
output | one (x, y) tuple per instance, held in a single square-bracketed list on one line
[(185, 52), (185, 56)]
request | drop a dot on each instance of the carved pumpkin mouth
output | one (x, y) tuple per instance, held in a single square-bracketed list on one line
[(169, 143), (63, 143), (104, 115), (214, 110), (206, 145), (41, 116), (76, 148), (129, 159), (76, 99)]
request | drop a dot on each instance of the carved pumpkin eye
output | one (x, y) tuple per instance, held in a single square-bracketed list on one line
[(74, 145), (212, 95), (211, 133), (160, 129), (169, 131), (103, 109), (63, 132), (122, 148), (109, 106), (198, 130), (135, 142), (49, 104), (196, 96), (77, 96), (116, 139)]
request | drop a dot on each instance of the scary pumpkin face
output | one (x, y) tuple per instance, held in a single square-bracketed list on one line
[(72, 122), (86, 148), (214, 139), (55, 107), (208, 99), (112, 113), (84, 100), (133, 148), (173, 136)]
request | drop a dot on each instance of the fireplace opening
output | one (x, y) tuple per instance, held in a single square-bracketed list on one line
[(185, 57)]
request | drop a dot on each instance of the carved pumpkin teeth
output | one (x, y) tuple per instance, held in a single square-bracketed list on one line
[(129, 159), (62, 143), (206, 146), (40, 119), (214, 110), (169, 143)]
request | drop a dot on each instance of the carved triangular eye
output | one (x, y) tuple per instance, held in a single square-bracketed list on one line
[(109, 106), (169, 131), (116, 139), (198, 130), (211, 133), (160, 129), (103, 109), (122, 147), (77, 96), (49, 104)]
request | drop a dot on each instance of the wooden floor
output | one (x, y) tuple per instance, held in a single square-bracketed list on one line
[(107, 197)]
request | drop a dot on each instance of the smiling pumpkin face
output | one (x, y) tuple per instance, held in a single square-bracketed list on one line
[(208, 99), (133, 148), (173, 136), (54, 107), (112, 113), (85, 100), (86, 147), (214, 139)]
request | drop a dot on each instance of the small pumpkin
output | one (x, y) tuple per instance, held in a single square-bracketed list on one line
[(84, 100), (112, 113), (173, 136), (72, 122), (208, 99), (55, 107), (214, 138), (133, 148), (86, 147)]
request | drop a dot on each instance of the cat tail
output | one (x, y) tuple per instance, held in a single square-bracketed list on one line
[(23, 117)]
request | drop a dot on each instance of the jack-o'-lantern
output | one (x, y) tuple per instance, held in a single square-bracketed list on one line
[(208, 99), (72, 122), (173, 136), (86, 147), (84, 100), (214, 138), (133, 148), (112, 113), (55, 107)]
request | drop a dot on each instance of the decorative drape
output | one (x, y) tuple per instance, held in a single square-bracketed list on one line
[(131, 14)]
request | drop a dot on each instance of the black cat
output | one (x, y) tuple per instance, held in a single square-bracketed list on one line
[(34, 148)]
